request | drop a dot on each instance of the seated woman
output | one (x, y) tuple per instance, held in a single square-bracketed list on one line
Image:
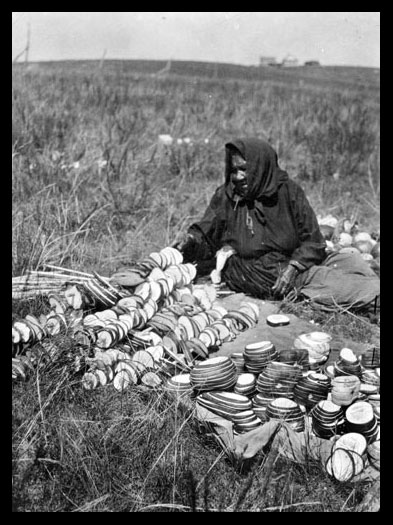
[(263, 222)]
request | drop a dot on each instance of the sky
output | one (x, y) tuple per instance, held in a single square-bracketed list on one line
[(333, 38)]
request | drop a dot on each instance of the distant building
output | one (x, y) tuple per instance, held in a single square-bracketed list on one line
[(290, 61), (268, 61), (312, 63)]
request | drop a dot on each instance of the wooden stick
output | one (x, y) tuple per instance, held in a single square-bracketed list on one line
[(179, 361), (40, 281), (346, 311), (106, 281), (58, 275), (67, 270), (22, 293), (42, 284), (46, 287)]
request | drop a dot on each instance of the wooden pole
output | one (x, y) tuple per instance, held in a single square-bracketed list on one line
[(27, 49), (102, 61)]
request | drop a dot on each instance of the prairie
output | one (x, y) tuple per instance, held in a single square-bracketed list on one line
[(93, 188)]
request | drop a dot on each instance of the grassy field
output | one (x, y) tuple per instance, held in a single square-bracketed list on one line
[(93, 189)]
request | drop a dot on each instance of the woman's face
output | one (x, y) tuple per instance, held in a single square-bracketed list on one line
[(238, 174)]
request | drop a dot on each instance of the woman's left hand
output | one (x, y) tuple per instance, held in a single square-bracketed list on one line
[(286, 281)]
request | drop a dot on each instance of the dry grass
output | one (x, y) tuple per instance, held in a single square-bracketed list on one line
[(93, 190), (92, 187), (141, 451)]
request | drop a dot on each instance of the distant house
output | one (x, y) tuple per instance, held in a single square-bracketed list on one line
[(290, 61), (312, 63), (268, 61)]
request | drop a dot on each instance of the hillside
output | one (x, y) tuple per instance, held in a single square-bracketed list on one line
[(340, 77)]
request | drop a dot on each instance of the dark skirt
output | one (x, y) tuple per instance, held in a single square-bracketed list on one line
[(255, 276), (344, 279)]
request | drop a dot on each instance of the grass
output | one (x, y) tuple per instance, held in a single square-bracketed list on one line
[(93, 189), (141, 451), (88, 170)]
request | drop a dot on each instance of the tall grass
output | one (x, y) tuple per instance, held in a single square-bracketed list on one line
[(88, 171), (101, 451), (93, 189)]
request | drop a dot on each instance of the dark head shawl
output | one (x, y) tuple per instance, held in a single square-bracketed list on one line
[(263, 173)]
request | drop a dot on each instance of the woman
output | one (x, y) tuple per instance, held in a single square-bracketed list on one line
[(263, 221)]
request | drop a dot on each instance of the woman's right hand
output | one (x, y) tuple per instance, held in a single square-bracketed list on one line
[(185, 241)]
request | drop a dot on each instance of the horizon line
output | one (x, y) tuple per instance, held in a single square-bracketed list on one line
[(107, 59)]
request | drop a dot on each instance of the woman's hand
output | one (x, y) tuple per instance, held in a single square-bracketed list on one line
[(185, 242), (286, 281)]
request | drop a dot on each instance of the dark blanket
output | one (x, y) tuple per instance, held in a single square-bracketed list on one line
[(344, 280), (281, 336)]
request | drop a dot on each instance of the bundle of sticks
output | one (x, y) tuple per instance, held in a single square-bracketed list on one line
[(56, 280), (36, 282)]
